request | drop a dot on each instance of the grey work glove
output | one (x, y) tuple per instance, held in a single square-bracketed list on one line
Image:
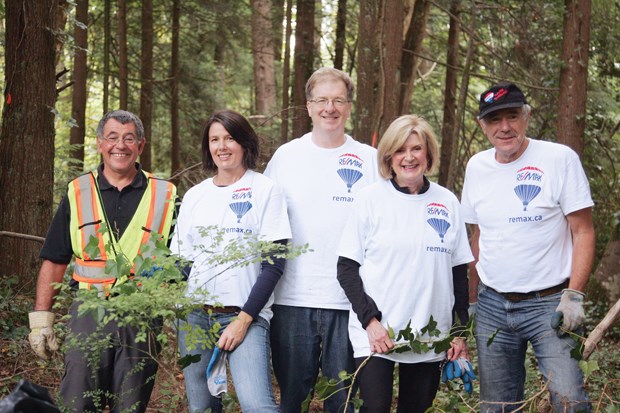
[(569, 311), (42, 338)]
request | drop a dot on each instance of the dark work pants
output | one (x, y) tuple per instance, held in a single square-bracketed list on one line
[(418, 384), (123, 378)]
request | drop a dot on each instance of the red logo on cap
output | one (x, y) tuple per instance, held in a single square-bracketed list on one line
[(500, 93)]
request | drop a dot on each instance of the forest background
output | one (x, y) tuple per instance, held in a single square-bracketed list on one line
[(174, 62)]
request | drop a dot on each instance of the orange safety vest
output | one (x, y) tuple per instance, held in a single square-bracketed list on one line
[(154, 214)]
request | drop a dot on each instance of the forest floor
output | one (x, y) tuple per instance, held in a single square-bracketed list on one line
[(17, 361)]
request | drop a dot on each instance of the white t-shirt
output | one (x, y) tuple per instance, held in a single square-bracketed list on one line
[(407, 246), (320, 185), (520, 208), (252, 205)]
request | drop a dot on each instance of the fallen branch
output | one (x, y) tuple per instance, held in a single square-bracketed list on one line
[(599, 331), (22, 236)]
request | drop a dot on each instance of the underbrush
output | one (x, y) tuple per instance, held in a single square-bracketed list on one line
[(17, 361)]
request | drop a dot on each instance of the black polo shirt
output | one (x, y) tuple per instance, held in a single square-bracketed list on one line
[(119, 206)]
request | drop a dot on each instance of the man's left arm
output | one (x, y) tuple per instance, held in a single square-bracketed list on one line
[(570, 310), (582, 230)]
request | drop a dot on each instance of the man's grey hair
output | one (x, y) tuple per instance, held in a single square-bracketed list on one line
[(123, 117)]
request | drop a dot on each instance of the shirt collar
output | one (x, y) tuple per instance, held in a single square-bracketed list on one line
[(405, 190), (139, 181)]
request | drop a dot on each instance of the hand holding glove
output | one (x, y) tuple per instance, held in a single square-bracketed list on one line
[(460, 368), (569, 311), (42, 338)]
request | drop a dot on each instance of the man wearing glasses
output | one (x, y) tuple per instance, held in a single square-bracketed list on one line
[(121, 207), (320, 172)]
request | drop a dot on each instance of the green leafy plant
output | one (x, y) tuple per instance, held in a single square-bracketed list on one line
[(158, 292)]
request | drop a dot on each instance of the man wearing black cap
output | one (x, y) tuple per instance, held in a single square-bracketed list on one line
[(529, 202)]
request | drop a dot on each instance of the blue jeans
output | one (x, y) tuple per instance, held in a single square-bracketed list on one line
[(248, 364), (304, 339), (502, 369)]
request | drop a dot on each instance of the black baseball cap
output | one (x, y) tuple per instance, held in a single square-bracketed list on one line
[(500, 96)]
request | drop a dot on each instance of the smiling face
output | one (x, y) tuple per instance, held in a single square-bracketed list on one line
[(329, 119), (410, 162), (505, 129), (227, 154), (119, 158)]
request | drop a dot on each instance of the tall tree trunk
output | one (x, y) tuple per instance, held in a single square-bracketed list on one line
[(262, 54), (174, 85), (146, 79), (412, 46), (369, 51), (27, 134), (462, 99), (392, 50), (106, 54), (448, 128), (341, 24), (574, 74), (78, 104), (304, 56), (286, 73), (277, 18), (123, 65)]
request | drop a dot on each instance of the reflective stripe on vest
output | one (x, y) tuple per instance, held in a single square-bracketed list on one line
[(153, 214)]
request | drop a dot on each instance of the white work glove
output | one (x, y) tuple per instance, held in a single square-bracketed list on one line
[(570, 311), (42, 338), (472, 309)]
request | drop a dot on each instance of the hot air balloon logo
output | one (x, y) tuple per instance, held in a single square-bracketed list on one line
[(439, 225), (526, 193), (439, 215), (351, 173), (240, 209)]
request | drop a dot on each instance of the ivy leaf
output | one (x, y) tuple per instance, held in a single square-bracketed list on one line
[(391, 332), (92, 248), (588, 367), (188, 359), (442, 345)]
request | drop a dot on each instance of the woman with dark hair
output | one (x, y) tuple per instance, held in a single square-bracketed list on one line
[(237, 202)]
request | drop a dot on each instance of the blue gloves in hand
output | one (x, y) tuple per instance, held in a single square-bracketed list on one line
[(460, 368), (570, 311)]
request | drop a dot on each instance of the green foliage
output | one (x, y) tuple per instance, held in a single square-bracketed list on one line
[(157, 294), (13, 310), (429, 338)]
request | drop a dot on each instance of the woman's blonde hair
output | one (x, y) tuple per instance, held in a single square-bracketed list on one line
[(395, 137)]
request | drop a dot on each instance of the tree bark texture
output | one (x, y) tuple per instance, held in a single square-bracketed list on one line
[(341, 24), (106, 54), (448, 127), (27, 134), (146, 80), (574, 74), (392, 50), (277, 20), (286, 73), (80, 72), (369, 52), (608, 270), (303, 65), (123, 65), (175, 140), (412, 46), (262, 54)]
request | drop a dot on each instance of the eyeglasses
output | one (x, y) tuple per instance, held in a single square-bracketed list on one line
[(322, 102), (127, 140)]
